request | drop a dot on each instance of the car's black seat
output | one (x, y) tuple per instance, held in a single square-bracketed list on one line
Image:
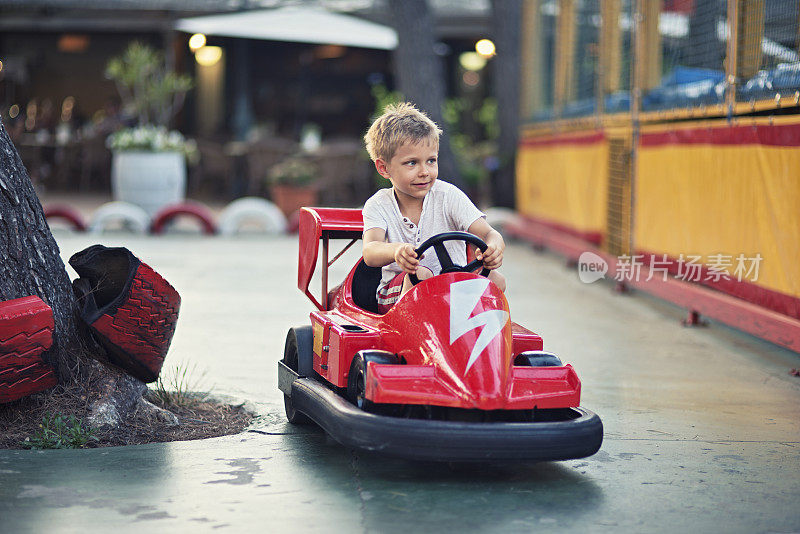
[(365, 284)]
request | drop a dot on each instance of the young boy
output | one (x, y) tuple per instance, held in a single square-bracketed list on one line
[(404, 144)]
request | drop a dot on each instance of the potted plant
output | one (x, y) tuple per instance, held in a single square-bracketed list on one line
[(291, 184), (149, 164)]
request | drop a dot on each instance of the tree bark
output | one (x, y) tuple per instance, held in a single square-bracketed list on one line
[(506, 29), (30, 264), (420, 73)]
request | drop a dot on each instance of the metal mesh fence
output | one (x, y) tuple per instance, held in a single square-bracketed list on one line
[(539, 51), (618, 207), (768, 63), (616, 49), (548, 60), (581, 100), (685, 53), (691, 39)]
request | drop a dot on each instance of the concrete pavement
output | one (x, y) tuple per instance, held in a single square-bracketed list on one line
[(702, 424)]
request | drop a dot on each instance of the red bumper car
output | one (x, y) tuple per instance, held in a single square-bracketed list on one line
[(445, 375)]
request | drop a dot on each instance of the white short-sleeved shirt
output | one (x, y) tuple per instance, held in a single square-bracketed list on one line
[(445, 208)]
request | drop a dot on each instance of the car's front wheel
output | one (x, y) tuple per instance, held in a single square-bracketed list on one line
[(357, 377), (537, 358)]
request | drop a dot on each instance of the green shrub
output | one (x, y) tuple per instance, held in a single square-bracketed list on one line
[(147, 86), (57, 431)]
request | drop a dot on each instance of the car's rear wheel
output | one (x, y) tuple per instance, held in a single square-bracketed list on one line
[(298, 356), (357, 377)]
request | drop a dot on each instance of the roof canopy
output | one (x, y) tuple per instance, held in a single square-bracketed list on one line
[(295, 24)]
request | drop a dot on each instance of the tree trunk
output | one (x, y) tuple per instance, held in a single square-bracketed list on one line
[(30, 264), (420, 74), (506, 26)]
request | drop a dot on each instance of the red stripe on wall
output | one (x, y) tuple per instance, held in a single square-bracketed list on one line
[(578, 139), (595, 237), (771, 135), (745, 290), (738, 313)]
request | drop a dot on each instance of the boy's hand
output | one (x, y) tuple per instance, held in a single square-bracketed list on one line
[(406, 258), (493, 255)]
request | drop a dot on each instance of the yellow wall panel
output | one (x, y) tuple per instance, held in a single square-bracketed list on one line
[(565, 184), (700, 199)]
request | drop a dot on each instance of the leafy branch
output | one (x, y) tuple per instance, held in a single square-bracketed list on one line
[(147, 86)]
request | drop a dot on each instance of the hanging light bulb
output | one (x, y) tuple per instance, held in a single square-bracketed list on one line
[(472, 61), (196, 42), (485, 48), (208, 56)]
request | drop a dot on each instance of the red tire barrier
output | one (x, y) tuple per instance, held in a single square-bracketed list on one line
[(67, 214), (130, 308), (26, 331), (293, 223), (192, 209)]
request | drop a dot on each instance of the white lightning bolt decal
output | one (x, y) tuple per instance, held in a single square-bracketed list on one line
[(464, 296)]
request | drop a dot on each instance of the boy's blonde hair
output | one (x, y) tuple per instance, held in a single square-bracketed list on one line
[(400, 123)]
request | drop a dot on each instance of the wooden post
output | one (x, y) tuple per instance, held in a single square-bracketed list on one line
[(532, 59), (651, 45), (748, 36), (637, 64), (565, 55)]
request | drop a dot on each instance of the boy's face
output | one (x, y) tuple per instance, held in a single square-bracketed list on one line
[(412, 170)]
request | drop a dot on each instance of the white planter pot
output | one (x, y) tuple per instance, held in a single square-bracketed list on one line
[(150, 180)]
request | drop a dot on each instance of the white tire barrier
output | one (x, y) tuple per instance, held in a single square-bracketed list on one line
[(255, 209), (132, 217)]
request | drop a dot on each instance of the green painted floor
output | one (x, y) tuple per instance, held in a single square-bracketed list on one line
[(702, 425)]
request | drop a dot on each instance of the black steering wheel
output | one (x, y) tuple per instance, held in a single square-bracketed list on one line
[(438, 241)]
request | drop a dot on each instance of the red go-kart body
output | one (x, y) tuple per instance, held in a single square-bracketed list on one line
[(444, 375)]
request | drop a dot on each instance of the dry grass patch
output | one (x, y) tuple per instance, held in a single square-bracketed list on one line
[(56, 418)]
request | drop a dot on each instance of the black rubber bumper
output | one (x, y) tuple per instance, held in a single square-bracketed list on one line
[(446, 440)]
